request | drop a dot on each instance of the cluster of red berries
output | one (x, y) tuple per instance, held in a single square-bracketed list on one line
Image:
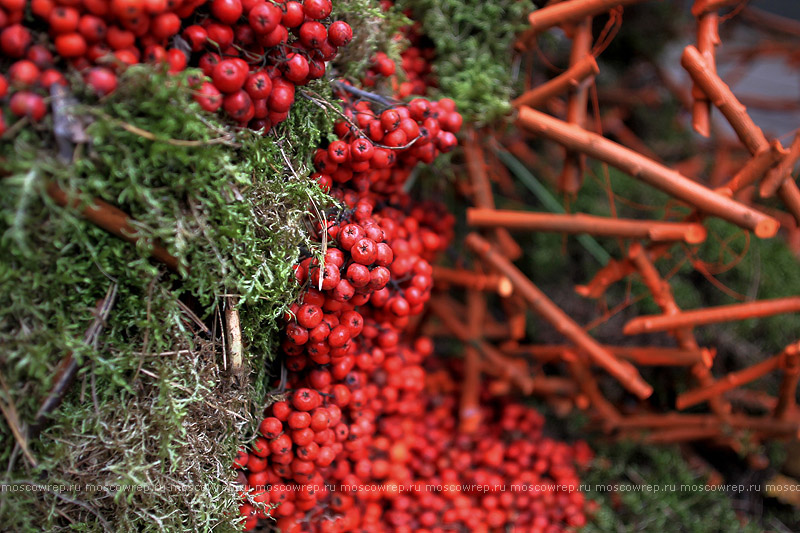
[(506, 475), (254, 51), (379, 144), (358, 441), (262, 51)]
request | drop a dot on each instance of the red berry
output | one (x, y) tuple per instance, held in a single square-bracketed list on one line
[(209, 97), (229, 76), (102, 80), (293, 15), (296, 68), (264, 18), (317, 9), (227, 11), (26, 103), (258, 85), (340, 33)]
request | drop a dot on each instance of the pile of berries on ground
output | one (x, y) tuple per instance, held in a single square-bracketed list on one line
[(358, 443), (254, 51)]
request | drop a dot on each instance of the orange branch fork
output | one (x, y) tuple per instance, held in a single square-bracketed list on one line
[(754, 169), (570, 12), (733, 380), (626, 373), (782, 171), (747, 131), (565, 81)]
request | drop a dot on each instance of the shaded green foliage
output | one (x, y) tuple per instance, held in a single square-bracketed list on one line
[(374, 30), (151, 404), (473, 42), (631, 465)]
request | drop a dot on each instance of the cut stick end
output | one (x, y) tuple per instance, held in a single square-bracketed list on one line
[(708, 357), (702, 128), (767, 228), (505, 287), (582, 290), (634, 327), (683, 402), (696, 233), (641, 389)]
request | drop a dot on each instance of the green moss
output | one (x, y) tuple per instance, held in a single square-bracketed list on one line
[(629, 465), (151, 404), (374, 30), (473, 42)]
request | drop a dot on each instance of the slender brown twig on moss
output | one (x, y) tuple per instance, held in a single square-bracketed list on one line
[(112, 220)]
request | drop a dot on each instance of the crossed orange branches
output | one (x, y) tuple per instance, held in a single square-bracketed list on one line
[(768, 169)]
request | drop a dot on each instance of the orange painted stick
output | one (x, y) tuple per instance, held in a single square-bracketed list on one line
[(570, 78), (723, 98), (499, 364), (712, 315), (583, 377), (648, 171), (747, 131), (615, 270), (641, 355), (626, 373), (469, 410), (574, 163), (730, 381), (571, 11), (754, 169), (782, 171), (472, 280), (680, 434), (662, 293), (515, 316), (553, 386), (492, 329), (788, 388), (482, 191), (114, 221), (790, 196), (650, 421), (580, 223), (707, 39), (704, 6)]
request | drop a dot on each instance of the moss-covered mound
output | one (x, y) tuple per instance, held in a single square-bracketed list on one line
[(145, 435)]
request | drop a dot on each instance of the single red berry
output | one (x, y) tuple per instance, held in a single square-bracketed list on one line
[(340, 33), (227, 11)]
